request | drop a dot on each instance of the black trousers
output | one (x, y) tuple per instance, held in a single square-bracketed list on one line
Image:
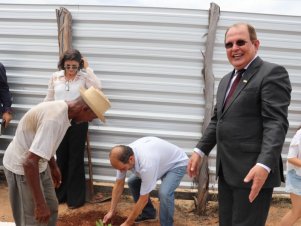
[(70, 160), (235, 208)]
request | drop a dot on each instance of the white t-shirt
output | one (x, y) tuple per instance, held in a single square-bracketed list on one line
[(294, 151), (40, 131), (154, 157)]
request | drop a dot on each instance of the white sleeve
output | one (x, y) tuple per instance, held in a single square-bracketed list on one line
[(48, 136), (120, 175), (294, 147), (91, 79), (149, 179)]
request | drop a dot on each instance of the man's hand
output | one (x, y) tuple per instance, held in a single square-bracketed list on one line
[(86, 64), (56, 177), (193, 164), (259, 175), (6, 117), (125, 224), (108, 217), (42, 213), (55, 173)]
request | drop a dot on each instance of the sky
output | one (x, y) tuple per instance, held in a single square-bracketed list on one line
[(283, 7)]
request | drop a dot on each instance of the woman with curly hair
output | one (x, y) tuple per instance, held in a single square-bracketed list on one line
[(74, 72)]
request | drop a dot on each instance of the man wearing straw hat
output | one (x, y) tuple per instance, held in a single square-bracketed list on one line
[(29, 165)]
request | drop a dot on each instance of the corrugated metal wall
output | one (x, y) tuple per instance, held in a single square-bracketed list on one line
[(149, 61)]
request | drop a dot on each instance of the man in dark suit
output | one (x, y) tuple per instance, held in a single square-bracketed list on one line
[(248, 126), (5, 98)]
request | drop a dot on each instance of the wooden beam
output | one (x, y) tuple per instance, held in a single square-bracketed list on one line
[(64, 24), (203, 177)]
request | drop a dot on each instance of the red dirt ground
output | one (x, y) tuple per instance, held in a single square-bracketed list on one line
[(184, 212)]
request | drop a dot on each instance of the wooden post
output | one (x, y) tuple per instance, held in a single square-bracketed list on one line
[(203, 184), (203, 177), (90, 181), (64, 25)]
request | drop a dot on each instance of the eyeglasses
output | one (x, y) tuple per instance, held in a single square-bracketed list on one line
[(73, 67), (239, 42)]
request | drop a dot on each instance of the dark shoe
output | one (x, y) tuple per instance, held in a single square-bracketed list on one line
[(75, 207), (141, 218)]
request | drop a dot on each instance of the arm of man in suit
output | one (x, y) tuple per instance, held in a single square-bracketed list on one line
[(5, 97), (275, 99), (204, 146)]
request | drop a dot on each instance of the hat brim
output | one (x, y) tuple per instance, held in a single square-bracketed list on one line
[(93, 107)]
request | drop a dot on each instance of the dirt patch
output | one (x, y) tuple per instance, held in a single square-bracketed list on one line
[(86, 219), (185, 214), (89, 213)]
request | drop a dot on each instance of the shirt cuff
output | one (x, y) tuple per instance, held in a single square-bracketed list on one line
[(264, 166), (200, 153)]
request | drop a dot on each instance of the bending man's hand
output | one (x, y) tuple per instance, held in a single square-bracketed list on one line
[(193, 164), (125, 224), (108, 217), (55, 173), (56, 177), (42, 213), (259, 175)]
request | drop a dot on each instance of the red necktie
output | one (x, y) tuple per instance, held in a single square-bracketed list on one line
[(234, 85)]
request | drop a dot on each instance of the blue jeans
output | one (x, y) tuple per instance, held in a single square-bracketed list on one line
[(170, 181)]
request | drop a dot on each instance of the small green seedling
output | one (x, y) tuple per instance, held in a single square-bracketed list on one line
[(100, 223)]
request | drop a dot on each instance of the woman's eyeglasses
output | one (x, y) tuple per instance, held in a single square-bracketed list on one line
[(73, 67), (239, 42)]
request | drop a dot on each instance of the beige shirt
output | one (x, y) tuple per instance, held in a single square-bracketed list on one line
[(40, 131)]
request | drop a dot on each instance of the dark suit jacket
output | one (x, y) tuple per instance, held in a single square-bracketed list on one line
[(5, 95), (253, 126)]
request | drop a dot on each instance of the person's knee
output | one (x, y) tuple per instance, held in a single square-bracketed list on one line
[(134, 182), (164, 195), (131, 183), (54, 206)]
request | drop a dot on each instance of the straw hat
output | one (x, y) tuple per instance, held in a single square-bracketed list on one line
[(96, 100)]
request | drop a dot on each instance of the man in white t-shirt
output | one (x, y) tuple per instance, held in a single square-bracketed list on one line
[(150, 159), (29, 165)]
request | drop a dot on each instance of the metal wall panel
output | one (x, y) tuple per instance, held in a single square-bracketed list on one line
[(149, 61)]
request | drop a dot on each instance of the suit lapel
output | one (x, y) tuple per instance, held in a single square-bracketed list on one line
[(223, 87), (247, 76)]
